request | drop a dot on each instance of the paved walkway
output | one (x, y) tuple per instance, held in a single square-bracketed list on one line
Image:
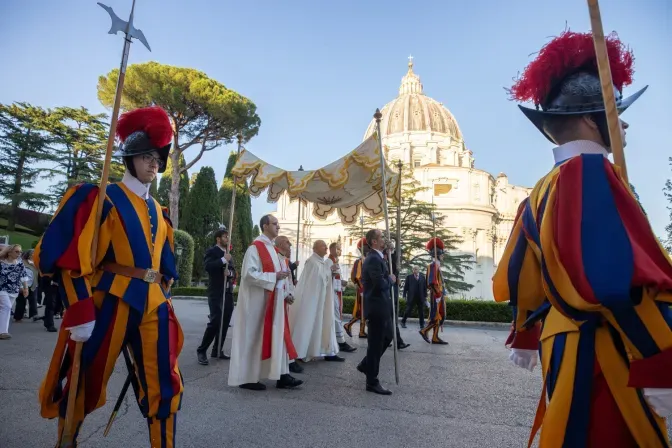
[(463, 395)]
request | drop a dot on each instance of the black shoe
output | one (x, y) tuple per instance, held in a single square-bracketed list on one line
[(347, 329), (52, 330), (202, 358), (347, 348), (424, 336), (439, 342), (221, 355), (287, 381), (363, 335), (253, 386), (334, 358), (403, 324), (360, 368), (402, 346), (295, 367), (378, 389)]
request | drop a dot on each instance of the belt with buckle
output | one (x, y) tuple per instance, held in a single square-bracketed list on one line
[(147, 275)]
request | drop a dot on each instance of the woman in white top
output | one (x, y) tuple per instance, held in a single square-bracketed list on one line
[(32, 278), (13, 278)]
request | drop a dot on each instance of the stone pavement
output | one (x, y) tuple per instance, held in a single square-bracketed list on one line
[(463, 395)]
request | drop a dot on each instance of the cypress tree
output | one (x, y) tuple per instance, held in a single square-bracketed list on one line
[(201, 218)]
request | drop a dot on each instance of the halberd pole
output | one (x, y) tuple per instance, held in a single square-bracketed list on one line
[(613, 122)]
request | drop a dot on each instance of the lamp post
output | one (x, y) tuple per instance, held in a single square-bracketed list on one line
[(178, 255)]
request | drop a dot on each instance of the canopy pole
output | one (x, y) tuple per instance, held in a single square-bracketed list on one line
[(378, 116)]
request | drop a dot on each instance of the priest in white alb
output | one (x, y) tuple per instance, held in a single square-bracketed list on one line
[(262, 346), (311, 318)]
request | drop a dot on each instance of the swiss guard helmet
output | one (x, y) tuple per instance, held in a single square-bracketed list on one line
[(439, 246), (564, 80), (362, 246), (142, 131)]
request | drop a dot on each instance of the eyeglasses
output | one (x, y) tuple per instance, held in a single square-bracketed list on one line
[(151, 160)]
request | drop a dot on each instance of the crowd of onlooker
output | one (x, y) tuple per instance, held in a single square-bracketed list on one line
[(21, 284)]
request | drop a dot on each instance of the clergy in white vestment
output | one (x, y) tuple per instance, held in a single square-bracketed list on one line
[(262, 347), (339, 286), (311, 318)]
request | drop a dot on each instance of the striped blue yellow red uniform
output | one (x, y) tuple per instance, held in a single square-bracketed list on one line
[(590, 286), (437, 311), (128, 312), (358, 308)]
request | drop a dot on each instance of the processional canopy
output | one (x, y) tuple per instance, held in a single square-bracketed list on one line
[(348, 185)]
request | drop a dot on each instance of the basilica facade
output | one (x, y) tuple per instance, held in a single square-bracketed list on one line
[(424, 135)]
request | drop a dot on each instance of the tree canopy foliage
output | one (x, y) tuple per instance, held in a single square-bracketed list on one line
[(205, 114), (25, 144)]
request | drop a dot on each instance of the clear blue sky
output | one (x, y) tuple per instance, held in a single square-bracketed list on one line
[(317, 70)]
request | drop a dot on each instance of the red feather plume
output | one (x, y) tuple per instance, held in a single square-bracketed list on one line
[(564, 55), (360, 243), (153, 121), (430, 244)]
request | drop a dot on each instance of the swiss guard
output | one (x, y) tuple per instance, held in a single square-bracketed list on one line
[(356, 278), (589, 284), (121, 300), (437, 306)]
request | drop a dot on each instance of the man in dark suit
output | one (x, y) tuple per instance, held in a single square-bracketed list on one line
[(377, 282), (395, 289), (415, 293), (214, 260)]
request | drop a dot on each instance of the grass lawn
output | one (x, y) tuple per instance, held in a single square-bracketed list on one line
[(24, 239), (22, 235)]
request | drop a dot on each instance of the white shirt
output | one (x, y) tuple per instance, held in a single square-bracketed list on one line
[(576, 148), (137, 187)]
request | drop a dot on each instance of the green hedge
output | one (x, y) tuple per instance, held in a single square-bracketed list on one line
[(186, 260), (464, 310)]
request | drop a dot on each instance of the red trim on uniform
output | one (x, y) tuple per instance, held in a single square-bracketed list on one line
[(653, 371), (607, 426), (568, 231), (79, 313), (94, 372), (528, 339), (70, 258), (267, 338), (512, 334), (174, 348)]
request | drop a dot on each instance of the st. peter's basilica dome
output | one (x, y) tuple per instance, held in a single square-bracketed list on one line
[(413, 111)]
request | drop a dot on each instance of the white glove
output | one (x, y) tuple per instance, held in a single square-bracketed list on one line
[(438, 300), (526, 359), (427, 304), (660, 400), (82, 333)]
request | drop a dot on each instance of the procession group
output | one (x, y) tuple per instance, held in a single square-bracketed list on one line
[(587, 280)]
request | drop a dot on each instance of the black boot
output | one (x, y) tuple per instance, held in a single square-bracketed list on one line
[(287, 381), (334, 358)]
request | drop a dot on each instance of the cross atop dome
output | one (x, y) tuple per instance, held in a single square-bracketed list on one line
[(410, 83)]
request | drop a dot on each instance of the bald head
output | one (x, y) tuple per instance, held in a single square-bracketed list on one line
[(284, 245), (320, 248)]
